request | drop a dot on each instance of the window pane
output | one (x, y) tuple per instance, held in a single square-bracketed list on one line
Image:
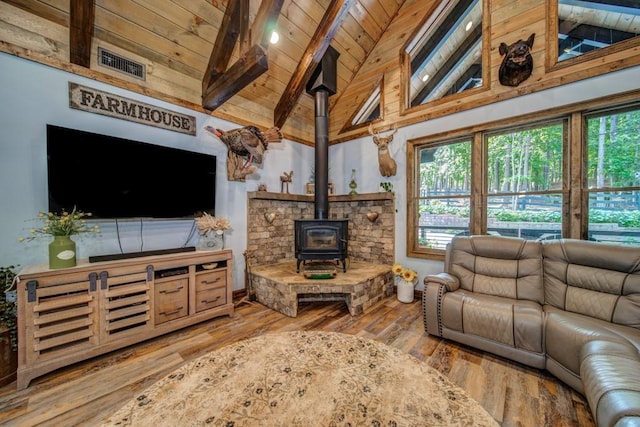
[(526, 160), (532, 217), (446, 57), (584, 26), (614, 150), (444, 189), (445, 170), (440, 220), (614, 217), (613, 162)]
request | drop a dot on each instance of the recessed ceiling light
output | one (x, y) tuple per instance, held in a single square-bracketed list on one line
[(274, 37), (468, 27), (425, 77)]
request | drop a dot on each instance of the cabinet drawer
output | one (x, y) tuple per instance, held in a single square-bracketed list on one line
[(210, 298), (214, 279), (171, 300)]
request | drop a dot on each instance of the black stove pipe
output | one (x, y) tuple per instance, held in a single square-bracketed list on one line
[(321, 85), (321, 98)]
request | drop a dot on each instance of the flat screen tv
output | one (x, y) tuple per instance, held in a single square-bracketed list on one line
[(120, 178)]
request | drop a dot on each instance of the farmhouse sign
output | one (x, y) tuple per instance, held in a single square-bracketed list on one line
[(99, 102)]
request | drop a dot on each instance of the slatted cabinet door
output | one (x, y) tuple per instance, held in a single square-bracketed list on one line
[(125, 302), (60, 317)]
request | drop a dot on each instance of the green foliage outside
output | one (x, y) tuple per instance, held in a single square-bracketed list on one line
[(629, 219)]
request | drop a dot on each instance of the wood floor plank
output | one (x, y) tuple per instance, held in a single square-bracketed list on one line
[(85, 393)]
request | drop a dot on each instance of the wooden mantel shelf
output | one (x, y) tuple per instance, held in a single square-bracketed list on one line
[(265, 195)]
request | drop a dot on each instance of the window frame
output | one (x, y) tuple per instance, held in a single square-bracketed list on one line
[(432, 18), (552, 63), (564, 191), (574, 186), (594, 113), (413, 219)]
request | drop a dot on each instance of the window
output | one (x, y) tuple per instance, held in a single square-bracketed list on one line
[(445, 55), (613, 176), (444, 188), (585, 26), (535, 180), (369, 110), (524, 178)]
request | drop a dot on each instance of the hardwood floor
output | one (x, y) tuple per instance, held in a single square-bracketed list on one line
[(84, 393)]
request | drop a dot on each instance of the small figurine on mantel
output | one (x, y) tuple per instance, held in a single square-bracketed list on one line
[(285, 179), (246, 146)]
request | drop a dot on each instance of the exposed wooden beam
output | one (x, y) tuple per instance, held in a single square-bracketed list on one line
[(230, 29), (81, 18), (318, 45), (220, 84), (249, 67)]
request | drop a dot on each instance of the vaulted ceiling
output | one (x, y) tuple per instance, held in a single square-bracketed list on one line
[(213, 54)]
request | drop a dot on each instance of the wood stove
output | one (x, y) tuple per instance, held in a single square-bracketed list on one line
[(321, 239)]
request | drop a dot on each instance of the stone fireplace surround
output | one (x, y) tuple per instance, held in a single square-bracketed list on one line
[(271, 250)]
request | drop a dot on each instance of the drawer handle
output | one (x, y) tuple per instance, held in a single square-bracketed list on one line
[(169, 313), (206, 282), (209, 301), (173, 291)]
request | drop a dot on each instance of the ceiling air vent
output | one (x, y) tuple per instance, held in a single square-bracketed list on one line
[(120, 63)]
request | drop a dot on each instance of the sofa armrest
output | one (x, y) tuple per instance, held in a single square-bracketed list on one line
[(435, 286), (451, 283)]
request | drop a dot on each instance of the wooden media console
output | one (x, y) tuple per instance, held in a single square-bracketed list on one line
[(72, 314)]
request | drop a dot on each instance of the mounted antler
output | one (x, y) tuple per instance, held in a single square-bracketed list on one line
[(386, 164)]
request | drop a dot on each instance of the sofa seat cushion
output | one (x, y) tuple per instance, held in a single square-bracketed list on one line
[(515, 323), (566, 333), (610, 373)]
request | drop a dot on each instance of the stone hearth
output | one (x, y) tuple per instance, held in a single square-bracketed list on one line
[(280, 288), (272, 240)]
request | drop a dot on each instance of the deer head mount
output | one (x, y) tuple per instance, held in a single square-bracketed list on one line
[(386, 164)]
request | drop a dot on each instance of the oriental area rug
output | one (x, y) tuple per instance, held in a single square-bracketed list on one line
[(303, 378)]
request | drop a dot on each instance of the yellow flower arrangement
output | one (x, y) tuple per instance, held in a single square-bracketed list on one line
[(404, 273), (206, 223), (63, 224)]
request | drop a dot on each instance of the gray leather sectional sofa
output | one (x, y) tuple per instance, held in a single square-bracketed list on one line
[(571, 307)]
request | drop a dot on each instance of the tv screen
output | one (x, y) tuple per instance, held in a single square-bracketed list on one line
[(119, 178)]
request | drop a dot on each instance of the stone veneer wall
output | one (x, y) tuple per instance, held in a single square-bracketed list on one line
[(273, 242)]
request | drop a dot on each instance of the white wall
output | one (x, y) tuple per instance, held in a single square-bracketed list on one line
[(34, 95)]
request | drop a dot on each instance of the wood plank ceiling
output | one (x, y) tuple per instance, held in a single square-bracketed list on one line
[(214, 54)]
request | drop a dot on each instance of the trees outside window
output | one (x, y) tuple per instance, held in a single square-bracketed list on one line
[(524, 182), (613, 176), (444, 188)]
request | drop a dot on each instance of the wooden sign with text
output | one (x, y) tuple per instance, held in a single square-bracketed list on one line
[(99, 102)]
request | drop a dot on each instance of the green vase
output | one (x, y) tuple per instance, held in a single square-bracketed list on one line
[(62, 252)]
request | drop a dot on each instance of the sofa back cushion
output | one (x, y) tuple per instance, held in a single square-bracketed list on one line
[(594, 279), (493, 265)]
